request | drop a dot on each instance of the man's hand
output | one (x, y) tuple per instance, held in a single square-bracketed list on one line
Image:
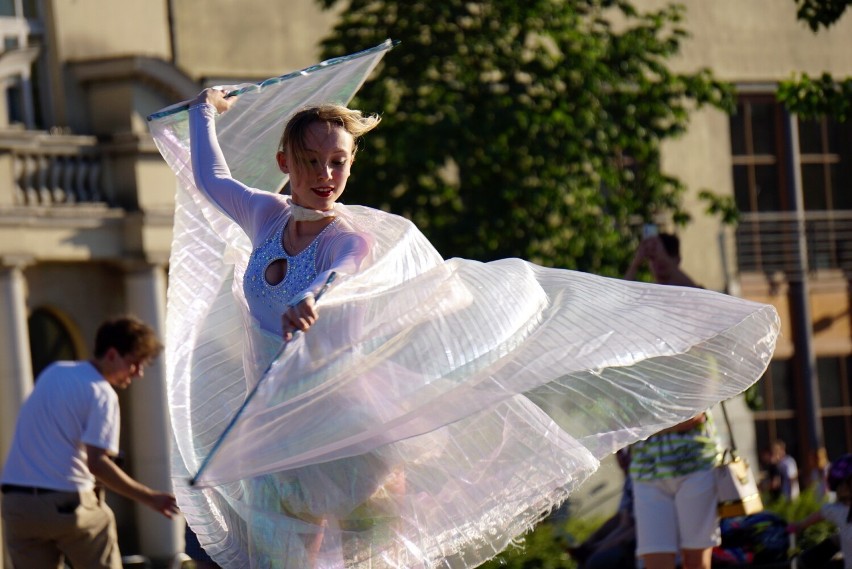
[(651, 247), (163, 503), (114, 478), (648, 249)]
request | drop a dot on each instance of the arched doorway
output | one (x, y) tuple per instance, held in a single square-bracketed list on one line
[(52, 338)]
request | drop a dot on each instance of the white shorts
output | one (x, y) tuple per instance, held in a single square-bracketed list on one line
[(676, 513)]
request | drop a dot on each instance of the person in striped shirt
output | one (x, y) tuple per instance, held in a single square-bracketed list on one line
[(672, 471)]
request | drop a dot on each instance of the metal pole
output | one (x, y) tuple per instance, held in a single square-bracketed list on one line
[(799, 298)]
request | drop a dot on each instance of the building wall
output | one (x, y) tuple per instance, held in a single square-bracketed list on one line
[(761, 41), (87, 29), (250, 39), (97, 29)]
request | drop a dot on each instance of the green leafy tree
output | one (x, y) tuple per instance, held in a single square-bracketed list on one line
[(816, 13), (815, 96), (524, 128)]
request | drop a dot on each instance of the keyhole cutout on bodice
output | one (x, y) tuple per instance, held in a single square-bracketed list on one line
[(275, 272)]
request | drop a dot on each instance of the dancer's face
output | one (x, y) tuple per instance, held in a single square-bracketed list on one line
[(317, 181)]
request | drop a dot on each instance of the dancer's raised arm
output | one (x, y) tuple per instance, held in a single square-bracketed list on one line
[(211, 172)]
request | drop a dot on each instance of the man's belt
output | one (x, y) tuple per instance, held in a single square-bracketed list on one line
[(15, 489)]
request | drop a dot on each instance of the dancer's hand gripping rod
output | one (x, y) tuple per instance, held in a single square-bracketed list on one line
[(251, 394)]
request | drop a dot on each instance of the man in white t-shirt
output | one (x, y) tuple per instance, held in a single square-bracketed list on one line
[(65, 434)]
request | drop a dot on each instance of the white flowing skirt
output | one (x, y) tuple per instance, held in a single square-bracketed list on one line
[(437, 409)]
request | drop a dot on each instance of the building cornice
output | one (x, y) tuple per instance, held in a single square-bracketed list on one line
[(162, 75), (84, 215)]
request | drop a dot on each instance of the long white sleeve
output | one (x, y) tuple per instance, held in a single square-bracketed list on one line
[(250, 208)]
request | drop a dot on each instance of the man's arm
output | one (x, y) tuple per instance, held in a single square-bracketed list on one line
[(114, 478), (639, 258), (680, 278), (802, 525)]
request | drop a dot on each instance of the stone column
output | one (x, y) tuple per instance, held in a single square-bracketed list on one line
[(16, 371), (151, 438)]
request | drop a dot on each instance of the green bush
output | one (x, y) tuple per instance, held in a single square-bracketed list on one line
[(808, 502), (545, 546)]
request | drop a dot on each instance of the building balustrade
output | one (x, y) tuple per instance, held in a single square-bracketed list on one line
[(769, 242), (53, 169)]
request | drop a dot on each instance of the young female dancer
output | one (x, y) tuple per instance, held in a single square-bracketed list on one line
[(429, 411)]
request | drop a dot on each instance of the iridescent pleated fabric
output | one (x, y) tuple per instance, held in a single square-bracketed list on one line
[(438, 408)]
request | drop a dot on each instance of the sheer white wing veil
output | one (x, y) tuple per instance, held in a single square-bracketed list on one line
[(496, 387)]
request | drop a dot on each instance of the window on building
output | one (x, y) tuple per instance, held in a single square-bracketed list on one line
[(758, 155), (825, 148), (30, 8), (776, 419), (19, 8), (818, 147), (23, 63), (15, 104), (835, 392), (761, 152), (50, 340), (759, 174)]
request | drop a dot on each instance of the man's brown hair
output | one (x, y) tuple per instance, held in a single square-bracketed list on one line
[(129, 336)]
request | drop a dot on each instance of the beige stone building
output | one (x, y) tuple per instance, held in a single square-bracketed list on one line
[(86, 202)]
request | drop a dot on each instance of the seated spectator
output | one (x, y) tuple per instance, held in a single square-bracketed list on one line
[(613, 545), (838, 513)]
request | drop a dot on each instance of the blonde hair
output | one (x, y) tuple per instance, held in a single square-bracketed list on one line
[(353, 121)]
